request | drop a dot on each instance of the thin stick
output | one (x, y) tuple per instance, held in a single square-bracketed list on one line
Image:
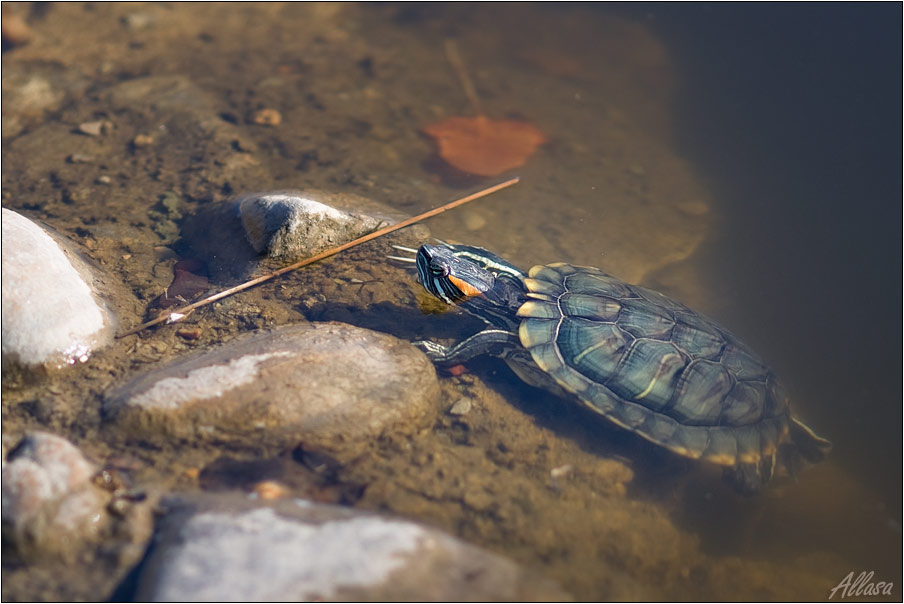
[(179, 314), (459, 66)]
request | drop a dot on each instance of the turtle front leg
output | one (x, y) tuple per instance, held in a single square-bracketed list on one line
[(493, 342)]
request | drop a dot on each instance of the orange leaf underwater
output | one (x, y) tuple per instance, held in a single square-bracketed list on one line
[(479, 145)]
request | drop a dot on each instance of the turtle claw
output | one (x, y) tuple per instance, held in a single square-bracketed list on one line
[(404, 259), (410, 250)]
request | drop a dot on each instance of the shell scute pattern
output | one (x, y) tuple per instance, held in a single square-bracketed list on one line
[(542, 286), (648, 372), (592, 347), (643, 319), (651, 365), (706, 344), (600, 308), (700, 393)]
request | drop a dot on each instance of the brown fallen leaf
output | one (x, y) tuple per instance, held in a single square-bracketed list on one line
[(479, 145), (189, 281)]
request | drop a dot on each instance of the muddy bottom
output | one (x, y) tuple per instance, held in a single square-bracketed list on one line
[(120, 120)]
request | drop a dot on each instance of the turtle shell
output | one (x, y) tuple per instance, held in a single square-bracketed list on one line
[(653, 366)]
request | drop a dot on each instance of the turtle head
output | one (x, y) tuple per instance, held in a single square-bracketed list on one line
[(478, 281)]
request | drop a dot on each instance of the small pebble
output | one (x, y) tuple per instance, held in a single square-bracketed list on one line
[(79, 158), (95, 128), (561, 471), (138, 21), (461, 407), (143, 140), (270, 489), (189, 333), (103, 180), (267, 117)]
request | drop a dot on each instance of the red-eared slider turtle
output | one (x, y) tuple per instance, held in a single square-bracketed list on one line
[(642, 360)]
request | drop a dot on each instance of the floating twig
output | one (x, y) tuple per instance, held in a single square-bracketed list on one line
[(180, 313)]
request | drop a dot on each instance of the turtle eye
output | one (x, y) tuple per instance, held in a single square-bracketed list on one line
[(439, 270)]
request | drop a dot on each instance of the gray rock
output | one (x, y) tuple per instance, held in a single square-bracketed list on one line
[(51, 313), (231, 550), (48, 496), (326, 383), (281, 225), (290, 224)]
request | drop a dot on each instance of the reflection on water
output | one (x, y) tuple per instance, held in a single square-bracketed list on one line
[(744, 160)]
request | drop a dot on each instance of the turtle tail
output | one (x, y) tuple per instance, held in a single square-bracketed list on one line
[(813, 448), (804, 447)]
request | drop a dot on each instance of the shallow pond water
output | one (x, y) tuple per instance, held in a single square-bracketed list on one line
[(743, 160)]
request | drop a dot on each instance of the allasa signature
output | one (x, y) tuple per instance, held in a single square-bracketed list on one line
[(861, 585)]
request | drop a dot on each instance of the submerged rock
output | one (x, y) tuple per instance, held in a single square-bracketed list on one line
[(292, 225), (280, 225), (48, 496), (326, 383), (51, 312), (231, 550)]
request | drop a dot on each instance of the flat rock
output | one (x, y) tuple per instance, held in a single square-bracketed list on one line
[(229, 549), (48, 496), (326, 383), (51, 312)]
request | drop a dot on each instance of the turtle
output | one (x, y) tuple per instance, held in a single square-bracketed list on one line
[(645, 362)]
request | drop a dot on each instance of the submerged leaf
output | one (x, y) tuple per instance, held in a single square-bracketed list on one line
[(189, 280), (479, 145)]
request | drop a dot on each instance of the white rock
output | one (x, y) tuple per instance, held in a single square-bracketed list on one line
[(300, 551), (50, 312)]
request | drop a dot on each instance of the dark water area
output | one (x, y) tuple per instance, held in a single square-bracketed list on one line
[(792, 115), (743, 158)]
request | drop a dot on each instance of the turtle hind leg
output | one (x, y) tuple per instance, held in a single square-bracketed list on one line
[(803, 447), (495, 342), (749, 478)]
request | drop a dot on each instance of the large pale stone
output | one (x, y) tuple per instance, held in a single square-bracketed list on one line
[(230, 550), (51, 314), (328, 383)]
